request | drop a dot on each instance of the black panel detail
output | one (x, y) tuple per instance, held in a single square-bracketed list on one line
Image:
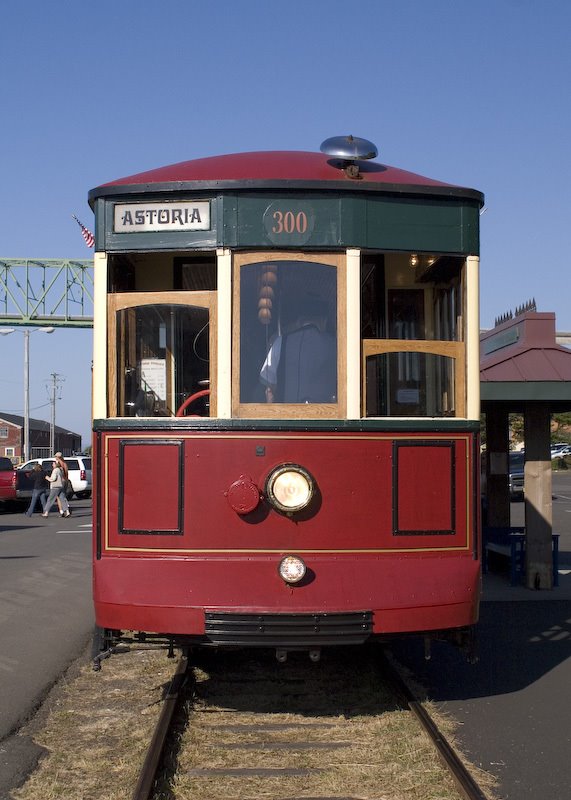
[(179, 444), (288, 630), (97, 494), (477, 515), (422, 443)]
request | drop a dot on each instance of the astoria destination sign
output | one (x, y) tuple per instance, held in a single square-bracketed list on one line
[(185, 216)]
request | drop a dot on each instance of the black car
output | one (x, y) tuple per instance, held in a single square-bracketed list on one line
[(516, 475)]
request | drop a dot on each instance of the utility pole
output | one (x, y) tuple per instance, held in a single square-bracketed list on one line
[(56, 380), (26, 332), (26, 395)]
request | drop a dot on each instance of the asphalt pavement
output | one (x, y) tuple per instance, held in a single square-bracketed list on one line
[(46, 618)]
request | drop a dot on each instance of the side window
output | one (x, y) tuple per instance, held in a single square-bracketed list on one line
[(286, 336), (160, 354), (413, 356), (164, 358)]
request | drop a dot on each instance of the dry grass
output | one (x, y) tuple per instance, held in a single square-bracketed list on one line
[(99, 727), (385, 754)]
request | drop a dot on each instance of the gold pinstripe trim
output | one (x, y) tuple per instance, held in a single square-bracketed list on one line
[(107, 548)]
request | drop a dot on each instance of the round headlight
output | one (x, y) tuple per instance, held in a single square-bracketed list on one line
[(289, 488), (292, 569)]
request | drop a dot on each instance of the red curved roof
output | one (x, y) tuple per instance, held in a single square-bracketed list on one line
[(278, 166)]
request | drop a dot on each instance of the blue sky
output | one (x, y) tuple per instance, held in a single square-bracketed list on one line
[(475, 94)]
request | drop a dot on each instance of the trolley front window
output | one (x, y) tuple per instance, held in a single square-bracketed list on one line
[(286, 336)]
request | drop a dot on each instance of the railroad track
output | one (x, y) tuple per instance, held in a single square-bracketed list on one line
[(149, 771), (258, 728), (464, 780)]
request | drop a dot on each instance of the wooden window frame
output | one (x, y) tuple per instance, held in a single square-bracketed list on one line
[(124, 300), (336, 410), (454, 350)]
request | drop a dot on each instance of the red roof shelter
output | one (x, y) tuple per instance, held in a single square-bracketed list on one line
[(523, 370), (520, 360)]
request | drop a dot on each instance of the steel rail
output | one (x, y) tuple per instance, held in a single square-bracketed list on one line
[(464, 781), (151, 763)]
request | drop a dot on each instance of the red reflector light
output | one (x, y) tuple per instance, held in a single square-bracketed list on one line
[(81, 474)]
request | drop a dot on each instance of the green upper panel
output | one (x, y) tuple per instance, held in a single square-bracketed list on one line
[(285, 200)]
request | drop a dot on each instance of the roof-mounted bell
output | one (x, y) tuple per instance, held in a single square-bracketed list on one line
[(350, 149)]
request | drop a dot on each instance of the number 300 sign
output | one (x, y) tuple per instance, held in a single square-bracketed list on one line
[(289, 222)]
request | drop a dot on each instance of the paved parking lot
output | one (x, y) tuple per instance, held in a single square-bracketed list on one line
[(561, 493)]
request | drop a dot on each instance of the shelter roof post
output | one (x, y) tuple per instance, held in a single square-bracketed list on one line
[(497, 489), (538, 507)]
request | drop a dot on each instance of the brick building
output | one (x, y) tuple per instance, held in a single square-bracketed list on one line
[(12, 438)]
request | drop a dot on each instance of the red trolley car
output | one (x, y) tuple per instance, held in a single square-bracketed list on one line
[(286, 402)]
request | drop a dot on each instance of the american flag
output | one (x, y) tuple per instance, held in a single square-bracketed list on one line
[(85, 232)]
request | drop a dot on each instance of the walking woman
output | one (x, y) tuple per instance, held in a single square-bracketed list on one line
[(57, 489), (62, 464), (40, 489)]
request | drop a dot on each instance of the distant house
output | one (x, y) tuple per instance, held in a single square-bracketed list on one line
[(12, 438)]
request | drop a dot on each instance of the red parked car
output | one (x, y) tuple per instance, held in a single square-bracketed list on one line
[(7, 480)]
